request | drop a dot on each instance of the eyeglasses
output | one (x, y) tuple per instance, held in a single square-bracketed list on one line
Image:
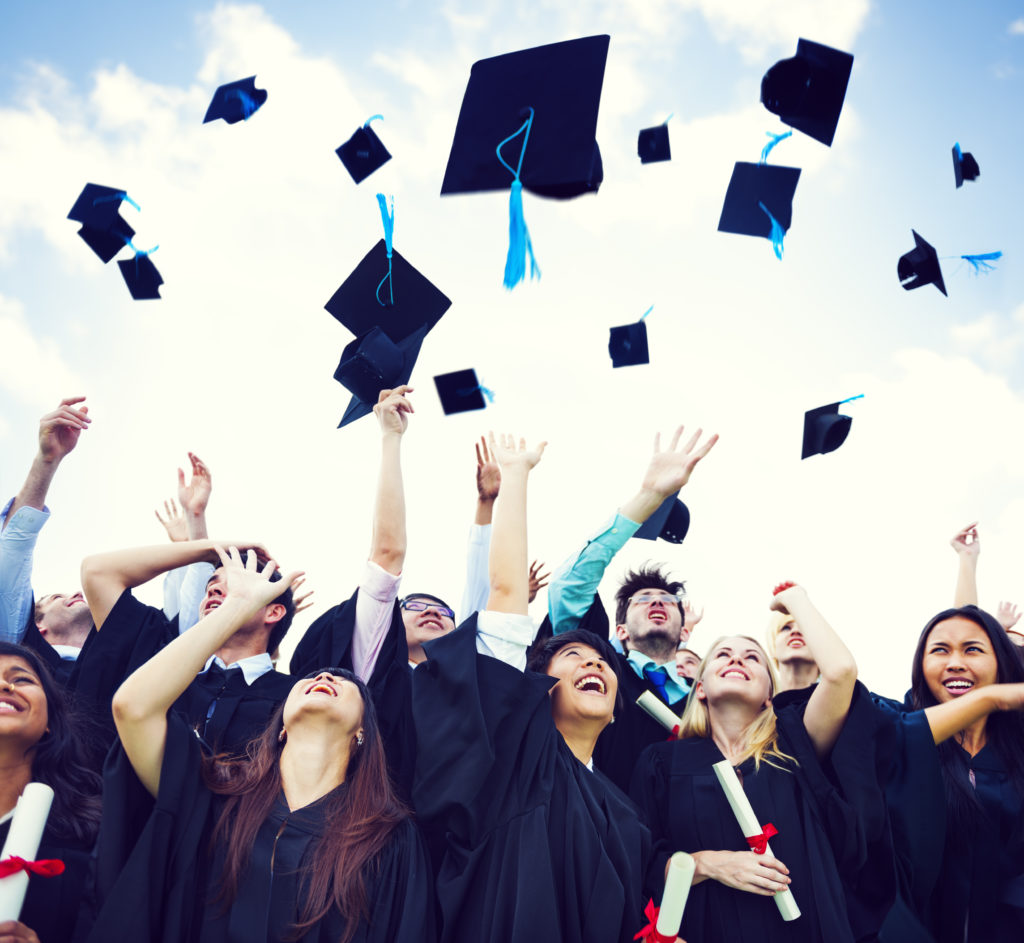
[(644, 598), (419, 605)]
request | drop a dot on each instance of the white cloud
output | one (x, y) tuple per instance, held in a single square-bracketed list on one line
[(34, 371), (1016, 28)]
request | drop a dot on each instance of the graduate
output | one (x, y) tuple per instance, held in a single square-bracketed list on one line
[(301, 839), (41, 741), (780, 759), (537, 845)]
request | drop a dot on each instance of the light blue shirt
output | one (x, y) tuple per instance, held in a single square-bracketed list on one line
[(17, 543), (676, 688)]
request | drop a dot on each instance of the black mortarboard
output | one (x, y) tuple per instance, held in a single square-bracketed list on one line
[(670, 522), (363, 153), (236, 101), (141, 277), (628, 344), (460, 391), (807, 91), (417, 302), (920, 267), (965, 167), (562, 83), (824, 430), (750, 186), (372, 363), (98, 207), (107, 243), (652, 144)]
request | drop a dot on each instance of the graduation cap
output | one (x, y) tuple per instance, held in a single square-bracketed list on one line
[(965, 167), (670, 521), (363, 153), (920, 266), (107, 243), (652, 144), (461, 391), (759, 201), (627, 344), (236, 101), (141, 276), (807, 91), (825, 429), (375, 362), (103, 229)]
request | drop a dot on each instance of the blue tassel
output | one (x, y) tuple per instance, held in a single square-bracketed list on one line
[(775, 138), (249, 106), (958, 152), (647, 312), (388, 218), (778, 233), (519, 244), (116, 196), (470, 390), (982, 262), (366, 123), (850, 399)]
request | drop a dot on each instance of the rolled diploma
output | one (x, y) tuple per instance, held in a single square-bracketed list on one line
[(658, 709), (23, 840), (677, 888), (740, 805)]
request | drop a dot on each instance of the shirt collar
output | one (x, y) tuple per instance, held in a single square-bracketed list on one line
[(676, 688), (67, 652), (253, 667)]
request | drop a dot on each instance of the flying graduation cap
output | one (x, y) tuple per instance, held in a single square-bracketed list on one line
[(236, 101), (529, 120), (627, 344), (652, 143), (965, 167), (759, 202), (363, 153), (461, 392), (921, 266), (141, 276), (670, 522), (103, 229), (807, 91), (825, 429)]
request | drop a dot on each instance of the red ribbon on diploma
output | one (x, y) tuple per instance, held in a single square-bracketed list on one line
[(47, 868), (650, 934), (782, 586), (674, 735), (759, 843)]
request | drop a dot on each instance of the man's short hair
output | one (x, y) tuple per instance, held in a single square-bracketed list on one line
[(649, 576), (542, 655)]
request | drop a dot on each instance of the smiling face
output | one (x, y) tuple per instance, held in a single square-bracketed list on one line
[(958, 658), (790, 644), (325, 698), (653, 624), (586, 687), (63, 618), (736, 669), (23, 709), (426, 624), (687, 663)]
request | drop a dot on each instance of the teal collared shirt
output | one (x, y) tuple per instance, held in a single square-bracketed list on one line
[(676, 688)]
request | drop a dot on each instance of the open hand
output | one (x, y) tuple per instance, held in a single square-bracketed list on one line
[(174, 524), (508, 455), (59, 430), (965, 541), (393, 409), (691, 617), (538, 580), (195, 496), (488, 473), (1007, 615), (668, 471), (250, 584), (301, 602)]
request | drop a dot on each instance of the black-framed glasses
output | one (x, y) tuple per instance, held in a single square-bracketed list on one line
[(422, 605)]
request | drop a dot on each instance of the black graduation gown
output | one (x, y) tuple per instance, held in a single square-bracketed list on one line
[(828, 837), (159, 882), (52, 905), (328, 642), (226, 713), (538, 848)]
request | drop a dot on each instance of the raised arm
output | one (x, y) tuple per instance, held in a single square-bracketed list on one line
[(667, 472), (389, 541), (830, 703), (488, 484), (967, 546), (509, 571), (141, 703), (950, 718), (195, 496)]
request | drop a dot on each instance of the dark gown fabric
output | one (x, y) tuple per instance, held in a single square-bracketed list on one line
[(157, 878), (52, 905), (537, 848), (620, 745), (225, 712), (833, 834), (328, 641)]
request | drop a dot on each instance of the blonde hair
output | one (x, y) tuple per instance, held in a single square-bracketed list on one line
[(776, 620), (761, 736)]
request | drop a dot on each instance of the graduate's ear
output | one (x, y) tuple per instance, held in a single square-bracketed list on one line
[(698, 691), (621, 633), (274, 613)]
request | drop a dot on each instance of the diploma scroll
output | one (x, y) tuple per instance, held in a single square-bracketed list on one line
[(23, 840), (677, 888), (752, 831), (659, 710)]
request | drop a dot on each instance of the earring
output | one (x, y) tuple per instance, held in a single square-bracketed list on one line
[(359, 739), (612, 721), (282, 736)]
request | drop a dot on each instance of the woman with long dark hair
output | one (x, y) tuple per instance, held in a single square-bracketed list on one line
[(302, 839), (41, 740)]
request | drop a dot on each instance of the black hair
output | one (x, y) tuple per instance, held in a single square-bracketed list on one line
[(61, 759), (281, 627), (541, 656), (1003, 729), (649, 576)]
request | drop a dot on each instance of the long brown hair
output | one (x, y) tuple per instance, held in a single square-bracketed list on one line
[(360, 817)]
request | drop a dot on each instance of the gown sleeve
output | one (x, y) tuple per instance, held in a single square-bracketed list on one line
[(402, 909)]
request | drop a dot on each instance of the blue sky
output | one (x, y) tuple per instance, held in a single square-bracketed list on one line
[(258, 224)]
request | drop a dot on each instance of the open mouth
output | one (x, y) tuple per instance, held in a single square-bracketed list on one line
[(431, 623), (657, 615), (591, 684), (957, 686), (796, 643), (73, 600), (7, 706), (321, 687), (735, 673), (211, 605)]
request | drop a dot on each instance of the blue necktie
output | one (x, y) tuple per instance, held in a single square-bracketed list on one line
[(659, 678)]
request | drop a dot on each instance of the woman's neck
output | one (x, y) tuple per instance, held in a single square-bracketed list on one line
[(729, 725), (580, 737), (311, 767), (795, 675), (973, 738), (15, 775)]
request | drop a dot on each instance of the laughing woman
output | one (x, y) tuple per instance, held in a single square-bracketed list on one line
[(303, 839), (534, 844)]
